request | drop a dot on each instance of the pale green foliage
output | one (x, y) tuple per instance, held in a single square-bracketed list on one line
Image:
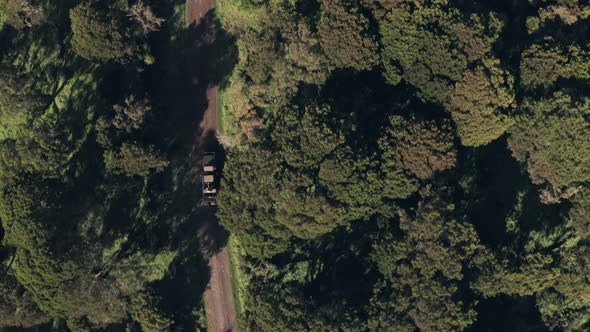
[(44, 124), (557, 13), (579, 214), (19, 212), (133, 273), (60, 287), (567, 303), (541, 65), (247, 215), (396, 182), (561, 289), (359, 184), (60, 210), (559, 311), (273, 61), (431, 47), (305, 52), (268, 312), (285, 208), (384, 311), (2, 16), (238, 14), (131, 115), (479, 103)]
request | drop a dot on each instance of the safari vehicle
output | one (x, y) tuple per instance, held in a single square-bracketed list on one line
[(209, 179)]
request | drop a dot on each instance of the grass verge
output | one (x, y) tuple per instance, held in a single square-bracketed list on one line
[(234, 253), (221, 118)]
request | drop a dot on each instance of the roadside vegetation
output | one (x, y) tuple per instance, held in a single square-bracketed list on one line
[(98, 205), (409, 165)]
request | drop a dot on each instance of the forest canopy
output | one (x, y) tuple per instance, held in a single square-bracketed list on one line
[(400, 165), (419, 165)]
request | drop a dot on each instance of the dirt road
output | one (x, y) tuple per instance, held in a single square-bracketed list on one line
[(219, 302)]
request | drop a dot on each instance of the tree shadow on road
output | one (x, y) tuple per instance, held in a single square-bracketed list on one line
[(215, 56), (179, 83)]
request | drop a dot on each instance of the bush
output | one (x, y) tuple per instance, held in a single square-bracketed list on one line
[(101, 34)]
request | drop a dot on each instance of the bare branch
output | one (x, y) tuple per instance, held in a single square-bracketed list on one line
[(142, 14)]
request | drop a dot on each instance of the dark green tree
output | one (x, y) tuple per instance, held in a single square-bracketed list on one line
[(102, 33), (304, 136), (16, 306), (542, 64), (552, 137), (430, 45), (135, 160), (421, 147), (250, 185), (132, 115), (425, 265), (20, 103), (145, 310)]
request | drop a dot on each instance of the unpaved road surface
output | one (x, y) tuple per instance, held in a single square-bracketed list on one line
[(219, 302)]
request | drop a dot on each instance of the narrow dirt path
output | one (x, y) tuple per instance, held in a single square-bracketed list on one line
[(219, 302)]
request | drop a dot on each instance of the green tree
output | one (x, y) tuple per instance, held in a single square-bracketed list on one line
[(22, 14), (135, 160), (20, 103), (131, 115), (430, 45), (358, 184), (421, 147), (16, 306), (533, 275), (305, 52), (61, 286), (145, 310), (344, 36), (479, 105), (543, 64), (579, 214), (304, 210), (552, 137), (270, 311), (101, 33), (304, 136), (245, 205), (425, 265)]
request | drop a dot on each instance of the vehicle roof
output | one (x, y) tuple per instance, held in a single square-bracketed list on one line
[(208, 159)]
